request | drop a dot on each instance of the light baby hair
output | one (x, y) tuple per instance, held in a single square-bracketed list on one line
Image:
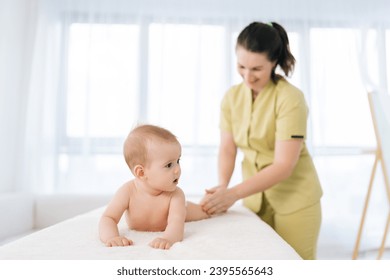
[(135, 147)]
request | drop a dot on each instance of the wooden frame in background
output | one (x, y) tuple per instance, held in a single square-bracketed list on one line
[(379, 106)]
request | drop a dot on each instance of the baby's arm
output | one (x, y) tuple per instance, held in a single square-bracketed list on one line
[(174, 231), (195, 212), (108, 225)]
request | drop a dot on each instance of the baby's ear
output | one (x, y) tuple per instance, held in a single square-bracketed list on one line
[(139, 171)]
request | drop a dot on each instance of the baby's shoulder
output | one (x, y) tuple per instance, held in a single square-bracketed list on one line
[(127, 188), (178, 193)]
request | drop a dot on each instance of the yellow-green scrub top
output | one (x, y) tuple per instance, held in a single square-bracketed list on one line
[(278, 113)]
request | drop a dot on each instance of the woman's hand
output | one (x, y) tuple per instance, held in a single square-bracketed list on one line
[(218, 200), (208, 193)]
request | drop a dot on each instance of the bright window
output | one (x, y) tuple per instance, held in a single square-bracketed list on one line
[(187, 77), (339, 105), (102, 88), (175, 75)]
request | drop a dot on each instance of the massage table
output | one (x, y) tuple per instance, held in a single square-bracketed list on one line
[(237, 234)]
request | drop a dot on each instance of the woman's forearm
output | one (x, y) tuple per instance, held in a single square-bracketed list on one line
[(286, 157), (261, 181), (226, 158), (226, 164)]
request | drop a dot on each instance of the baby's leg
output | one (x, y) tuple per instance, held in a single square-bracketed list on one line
[(195, 212)]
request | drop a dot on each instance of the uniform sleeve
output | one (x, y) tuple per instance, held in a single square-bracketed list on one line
[(225, 123), (291, 121)]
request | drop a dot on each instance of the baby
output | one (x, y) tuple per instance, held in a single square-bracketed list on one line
[(152, 200)]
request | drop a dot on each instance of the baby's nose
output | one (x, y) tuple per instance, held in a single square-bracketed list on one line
[(177, 169)]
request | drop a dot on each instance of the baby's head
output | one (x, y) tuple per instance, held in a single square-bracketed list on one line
[(138, 143)]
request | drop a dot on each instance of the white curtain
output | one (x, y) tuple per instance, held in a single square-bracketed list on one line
[(17, 36), (169, 63)]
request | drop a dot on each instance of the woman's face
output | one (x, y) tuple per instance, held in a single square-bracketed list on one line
[(254, 68)]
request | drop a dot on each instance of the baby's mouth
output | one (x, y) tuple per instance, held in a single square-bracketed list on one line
[(176, 181)]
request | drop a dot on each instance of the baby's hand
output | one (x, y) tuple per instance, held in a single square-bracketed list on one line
[(161, 243), (118, 241)]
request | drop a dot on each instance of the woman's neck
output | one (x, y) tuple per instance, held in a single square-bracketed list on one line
[(255, 94)]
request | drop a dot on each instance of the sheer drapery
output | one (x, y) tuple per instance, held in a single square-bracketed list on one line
[(17, 35), (85, 72)]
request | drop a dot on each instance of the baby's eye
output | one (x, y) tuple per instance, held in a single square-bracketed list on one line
[(169, 165), (178, 161)]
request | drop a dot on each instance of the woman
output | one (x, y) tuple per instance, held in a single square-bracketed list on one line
[(265, 117)]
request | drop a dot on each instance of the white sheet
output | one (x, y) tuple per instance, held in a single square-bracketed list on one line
[(238, 234)]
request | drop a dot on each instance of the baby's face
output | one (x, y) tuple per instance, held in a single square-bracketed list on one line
[(163, 168)]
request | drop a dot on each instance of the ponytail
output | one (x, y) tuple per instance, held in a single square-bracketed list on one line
[(286, 60)]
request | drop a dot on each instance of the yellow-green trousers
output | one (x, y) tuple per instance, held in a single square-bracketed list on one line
[(300, 229)]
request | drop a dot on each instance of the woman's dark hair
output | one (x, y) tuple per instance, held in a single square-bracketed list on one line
[(270, 39)]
